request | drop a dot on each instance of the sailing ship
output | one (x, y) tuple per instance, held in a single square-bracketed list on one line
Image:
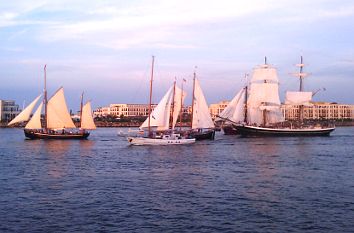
[(263, 116), (159, 127), (57, 123), (202, 125), (234, 113)]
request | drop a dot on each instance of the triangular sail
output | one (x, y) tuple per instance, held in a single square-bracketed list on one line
[(159, 118), (26, 113), (177, 105), (58, 116), (35, 122), (201, 115), (234, 111), (86, 117)]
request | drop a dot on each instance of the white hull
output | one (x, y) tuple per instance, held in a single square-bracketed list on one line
[(140, 141)]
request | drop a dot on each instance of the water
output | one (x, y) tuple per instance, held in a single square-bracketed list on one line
[(228, 185)]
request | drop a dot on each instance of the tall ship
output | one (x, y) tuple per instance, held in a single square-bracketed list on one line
[(57, 122), (159, 127), (262, 112), (202, 125)]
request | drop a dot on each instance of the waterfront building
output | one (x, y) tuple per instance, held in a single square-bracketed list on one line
[(8, 110), (320, 111), (216, 109), (126, 110)]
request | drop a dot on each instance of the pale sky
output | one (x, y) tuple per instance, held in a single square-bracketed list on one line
[(104, 47)]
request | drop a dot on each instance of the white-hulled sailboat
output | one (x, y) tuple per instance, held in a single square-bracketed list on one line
[(263, 116), (57, 120), (157, 125), (202, 126)]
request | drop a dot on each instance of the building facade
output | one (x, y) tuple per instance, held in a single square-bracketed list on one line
[(8, 110), (320, 111), (126, 110), (216, 109)]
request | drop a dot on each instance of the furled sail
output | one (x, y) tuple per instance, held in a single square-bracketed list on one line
[(177, 105), (159, 118), (201, 115), (35, 122), (58, 116), (86, 117), (234, 111), (264, 96), (298, 98), (26, 113)]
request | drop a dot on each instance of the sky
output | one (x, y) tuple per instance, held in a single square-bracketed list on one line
[(104, 48)]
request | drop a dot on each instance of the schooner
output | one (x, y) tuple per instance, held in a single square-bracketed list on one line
[(57, 123)]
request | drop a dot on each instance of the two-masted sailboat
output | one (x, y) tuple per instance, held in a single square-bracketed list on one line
[(202, 125), (159, 127), (263, 116), (57, 122)]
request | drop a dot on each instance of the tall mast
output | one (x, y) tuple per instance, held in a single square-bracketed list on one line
[(173, 103), (301, 76), (45, 100), (81, 105), (194, 76), (246, 93), (180, 113), (150, 99)]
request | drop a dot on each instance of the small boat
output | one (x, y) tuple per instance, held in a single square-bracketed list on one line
[(157, 124), (57, 120), (167, 139), (263, 113), (202, 126)]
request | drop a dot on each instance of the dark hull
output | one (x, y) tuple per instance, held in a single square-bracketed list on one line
[(273, 132), (207, 135), (229, 130), (41, 135)]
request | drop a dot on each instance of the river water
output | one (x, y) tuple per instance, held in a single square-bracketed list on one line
[(231, 184)]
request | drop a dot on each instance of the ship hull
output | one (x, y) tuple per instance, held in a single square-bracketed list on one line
[(229, 130), (286, 132), (206, 135), (41, 135), (140, 141)]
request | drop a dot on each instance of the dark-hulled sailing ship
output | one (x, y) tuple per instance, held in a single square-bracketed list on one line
[(263, 116), (57, 122)]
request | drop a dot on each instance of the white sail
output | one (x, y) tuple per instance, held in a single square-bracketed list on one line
[(177, 105), (234, 111), (264, 73), (86, 117), (58, 116), (35, 122), (264, 96), (26, 113), (298, 98), (201, 115), (159, 118)]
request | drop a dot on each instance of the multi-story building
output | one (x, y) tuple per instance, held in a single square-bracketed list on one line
[(8, 110), (127, 110), (216, 109), (320, 111)]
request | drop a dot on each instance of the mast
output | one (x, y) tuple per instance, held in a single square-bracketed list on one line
[(180, 113), (150, 99), (301, 76), (193, 97), (45, 100), (173, 102), (246, 93), (81, 105)]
